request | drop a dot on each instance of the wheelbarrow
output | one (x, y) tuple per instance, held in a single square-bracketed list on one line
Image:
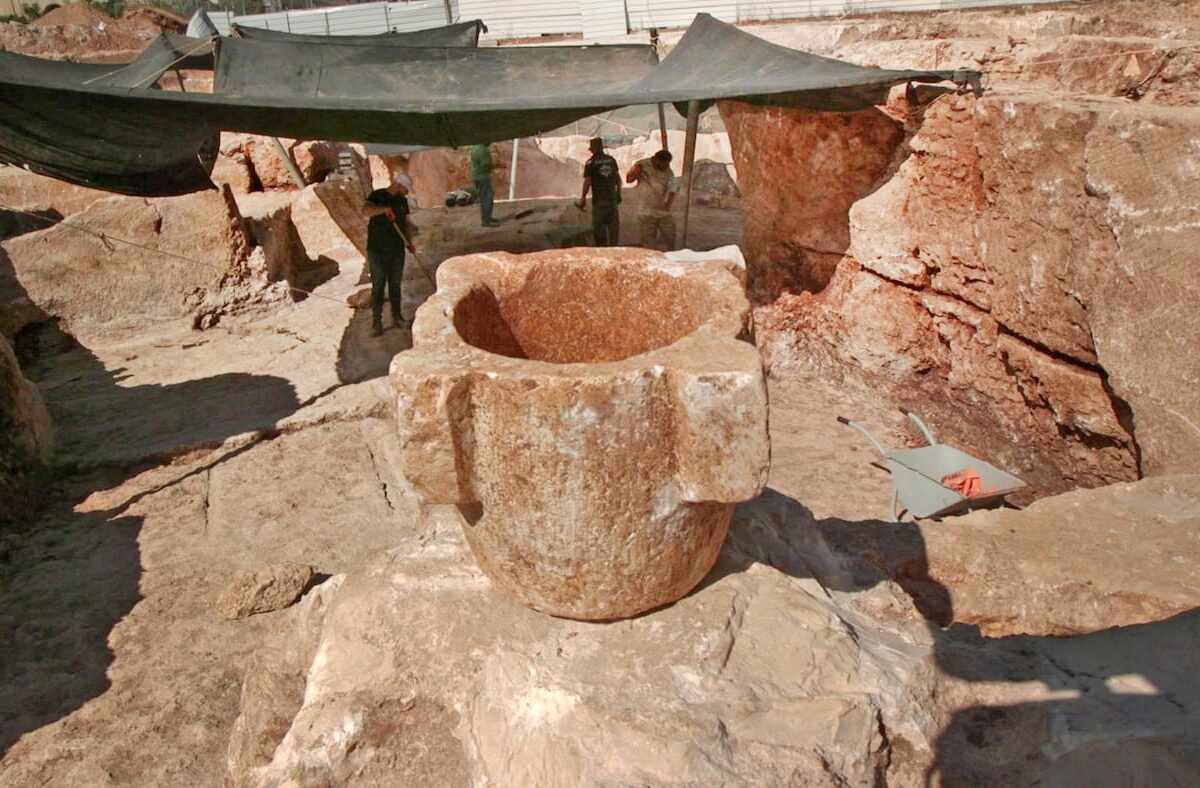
[(918, 474)]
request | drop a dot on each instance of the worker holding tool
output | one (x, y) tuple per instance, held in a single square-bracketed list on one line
[(388, 233), (603, 179), (653, 196)]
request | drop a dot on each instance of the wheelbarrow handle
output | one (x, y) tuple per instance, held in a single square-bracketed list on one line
[(878, 446), (920, 425)]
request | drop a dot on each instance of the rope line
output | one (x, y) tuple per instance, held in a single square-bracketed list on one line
[(205, 42), (107, 240)]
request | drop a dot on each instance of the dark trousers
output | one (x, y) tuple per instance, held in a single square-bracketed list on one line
[(606, 223), (386, 272), (487, 196)]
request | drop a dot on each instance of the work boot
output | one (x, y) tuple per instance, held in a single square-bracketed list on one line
[(399, 322), (491, 223), (377, 329)]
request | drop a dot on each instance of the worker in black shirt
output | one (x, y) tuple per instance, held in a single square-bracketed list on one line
[(601, 177), (388, 233)]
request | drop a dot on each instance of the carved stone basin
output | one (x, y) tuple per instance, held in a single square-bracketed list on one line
[(595, 416)]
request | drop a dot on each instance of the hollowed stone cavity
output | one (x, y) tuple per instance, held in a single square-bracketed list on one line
[(581, 313)]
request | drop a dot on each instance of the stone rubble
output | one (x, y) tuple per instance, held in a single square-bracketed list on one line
[(264, 589)]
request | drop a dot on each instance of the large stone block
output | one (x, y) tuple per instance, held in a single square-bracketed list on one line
[(593, 413)]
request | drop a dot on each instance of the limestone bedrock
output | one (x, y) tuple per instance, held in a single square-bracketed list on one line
[(593, 413)]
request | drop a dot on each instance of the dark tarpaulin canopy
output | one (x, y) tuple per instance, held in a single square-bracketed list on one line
[(462, 34), (79, 135), (408, 95), (201, 25), (168, 51)]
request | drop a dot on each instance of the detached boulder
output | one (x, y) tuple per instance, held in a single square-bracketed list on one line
[(712, 185), (264, 589), (1073, 563)]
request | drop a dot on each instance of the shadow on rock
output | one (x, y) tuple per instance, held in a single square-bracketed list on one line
[(64, 586), (68, 576), (1116, 707), (1120, 708), (362, 356), (100, 422)]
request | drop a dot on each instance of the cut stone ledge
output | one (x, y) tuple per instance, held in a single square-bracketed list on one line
[(594, 414)]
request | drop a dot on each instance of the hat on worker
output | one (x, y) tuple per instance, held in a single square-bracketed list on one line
[(403, 179), (596, 144)]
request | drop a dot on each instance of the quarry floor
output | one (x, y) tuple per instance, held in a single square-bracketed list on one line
[(225, 450), (187, 456)]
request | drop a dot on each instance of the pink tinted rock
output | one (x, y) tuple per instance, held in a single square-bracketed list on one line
[(799, 172)]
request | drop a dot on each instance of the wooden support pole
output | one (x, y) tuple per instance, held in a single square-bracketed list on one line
[(287, 162), (689, 160), (662, 126)]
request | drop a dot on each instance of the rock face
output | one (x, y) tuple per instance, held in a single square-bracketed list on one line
[(284, 251), (175, 258), (996, 262), (417, 670), (799, 173), (249, 162), (24, 430), (27, 191), (595, 453), (264, 589)]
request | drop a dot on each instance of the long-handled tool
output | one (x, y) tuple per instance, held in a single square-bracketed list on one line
[(412, 248)]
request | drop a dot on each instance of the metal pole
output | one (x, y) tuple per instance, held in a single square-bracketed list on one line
[(689, 157), (662, 126), (512, 171), (287, 162), (449, 13)]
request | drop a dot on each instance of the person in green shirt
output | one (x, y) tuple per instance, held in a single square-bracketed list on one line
[(482, 168)]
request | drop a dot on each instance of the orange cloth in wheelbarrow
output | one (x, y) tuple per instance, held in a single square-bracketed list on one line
[(966, 483)]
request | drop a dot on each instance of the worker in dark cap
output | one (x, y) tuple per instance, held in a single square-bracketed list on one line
[(653, 197), (602, 178)]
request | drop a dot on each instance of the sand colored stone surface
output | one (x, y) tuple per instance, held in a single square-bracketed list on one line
[(754, 678), (264, 589), (595, 453), (1074, 563), (181, 249)]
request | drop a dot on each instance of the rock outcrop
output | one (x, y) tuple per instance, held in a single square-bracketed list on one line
[(249, 162), (284, 252), (25, 433), (264, 589), (416, 669), (1071, 564), (175, 258), (996, 262)]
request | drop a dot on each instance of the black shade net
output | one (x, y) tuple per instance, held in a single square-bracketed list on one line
[(59, 123)]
